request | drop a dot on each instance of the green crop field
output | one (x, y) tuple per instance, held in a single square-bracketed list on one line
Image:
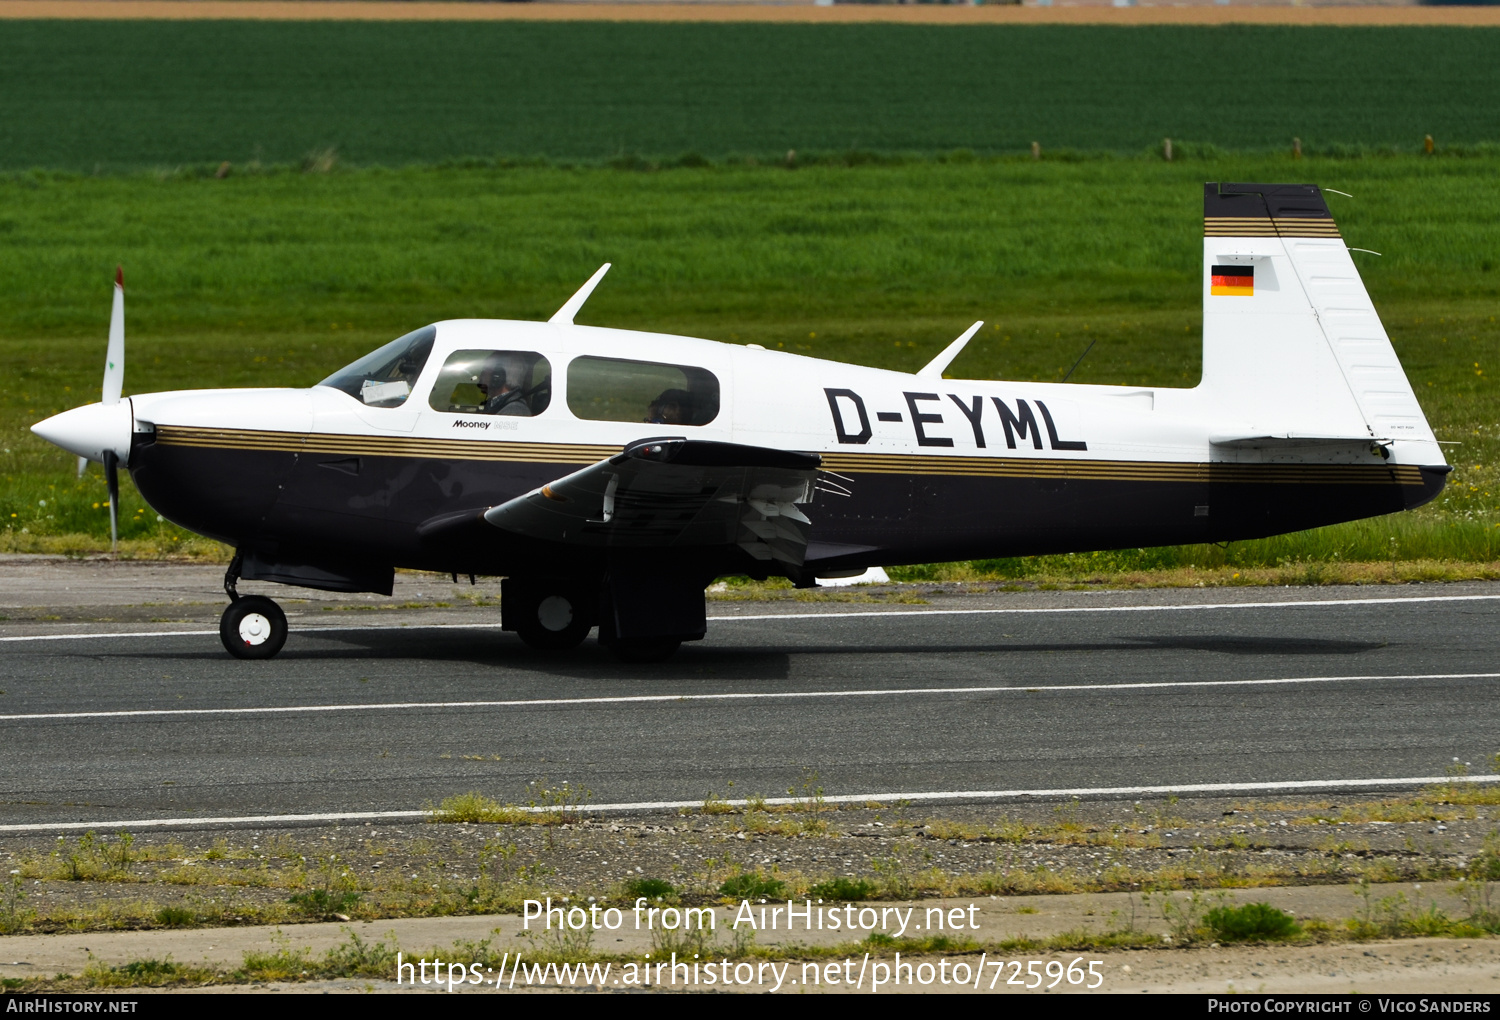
[(386, 175), (278, 278), (92, 94)]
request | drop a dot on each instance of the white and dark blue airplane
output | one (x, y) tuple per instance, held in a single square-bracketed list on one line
[(609, 475)]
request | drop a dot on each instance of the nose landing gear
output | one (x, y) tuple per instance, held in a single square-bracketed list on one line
[(253, 626)]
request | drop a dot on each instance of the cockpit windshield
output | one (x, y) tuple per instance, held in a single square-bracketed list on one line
[(384, 378)]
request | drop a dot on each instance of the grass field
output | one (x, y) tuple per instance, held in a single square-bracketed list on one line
[(281, 277), (85, 95)]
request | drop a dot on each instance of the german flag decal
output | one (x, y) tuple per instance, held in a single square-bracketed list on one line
[(1232, 281)]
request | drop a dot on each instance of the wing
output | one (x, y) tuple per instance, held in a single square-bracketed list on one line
[(673, 493)]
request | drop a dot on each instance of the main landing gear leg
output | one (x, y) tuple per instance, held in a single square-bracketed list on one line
[(252, 627), (547, 614)]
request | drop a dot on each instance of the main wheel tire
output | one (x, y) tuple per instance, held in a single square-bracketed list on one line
[(555, 622), (252, 627), (640, 650)]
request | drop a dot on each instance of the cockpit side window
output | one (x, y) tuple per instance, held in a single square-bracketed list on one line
[(515, 383), (612, 389), (384, 378)]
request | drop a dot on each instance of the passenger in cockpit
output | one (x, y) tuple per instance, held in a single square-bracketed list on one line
[(673, 407), (502, 381)]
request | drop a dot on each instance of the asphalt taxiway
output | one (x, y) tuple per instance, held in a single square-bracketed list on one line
[(135, 712)]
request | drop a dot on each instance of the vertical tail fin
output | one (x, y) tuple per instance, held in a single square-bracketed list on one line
[(1292, 345)]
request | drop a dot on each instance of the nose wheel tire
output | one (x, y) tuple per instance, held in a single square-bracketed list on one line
[(252, 627), (554, 622)]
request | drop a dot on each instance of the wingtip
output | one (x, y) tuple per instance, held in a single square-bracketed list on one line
[(120, 277)]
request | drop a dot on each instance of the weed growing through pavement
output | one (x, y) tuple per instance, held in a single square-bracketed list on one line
[(11, 916), (149, 973), (118, 855), (686, 941), (334, 896), (559, 805), (1184, 916), (844, 890), (79, 859), (751, 885), (475, 808), (658, 889), (283, 963), (713, 804), (894, 873), (1477, 885), (545, 805), (1123, 921), (355, 957), (808, 795), (562, 943), (175, 917), (1251, 922)]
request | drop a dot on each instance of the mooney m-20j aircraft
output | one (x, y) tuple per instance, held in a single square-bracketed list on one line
[(608, 475)]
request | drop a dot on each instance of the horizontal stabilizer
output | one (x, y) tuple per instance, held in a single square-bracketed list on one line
[(673, 492)]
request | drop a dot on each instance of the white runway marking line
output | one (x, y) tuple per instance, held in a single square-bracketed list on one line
[(627, 699), (123, 634), (1020, 611), (844, 798)]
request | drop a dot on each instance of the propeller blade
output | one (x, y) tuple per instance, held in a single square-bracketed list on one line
[(114, 358), (112, 479)]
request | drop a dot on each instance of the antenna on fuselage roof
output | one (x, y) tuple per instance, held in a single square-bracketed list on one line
[(934, 369), (1080, 359), (564, 315)]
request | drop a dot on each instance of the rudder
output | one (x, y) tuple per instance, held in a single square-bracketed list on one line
[(1292, 344)]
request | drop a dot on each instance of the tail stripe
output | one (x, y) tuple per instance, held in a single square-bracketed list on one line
[(1265, 226)]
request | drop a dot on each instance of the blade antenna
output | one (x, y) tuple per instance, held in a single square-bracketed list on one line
[(564, 315), (934, 369), (1080, 359)]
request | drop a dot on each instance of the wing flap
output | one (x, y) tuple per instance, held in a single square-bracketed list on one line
[(674, 493), (1288, 440)]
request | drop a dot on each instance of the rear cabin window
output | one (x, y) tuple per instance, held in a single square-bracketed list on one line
[(513, 383), (612, 389)]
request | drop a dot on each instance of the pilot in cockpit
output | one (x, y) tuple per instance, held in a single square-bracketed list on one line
[(673, 407), (502, 381)]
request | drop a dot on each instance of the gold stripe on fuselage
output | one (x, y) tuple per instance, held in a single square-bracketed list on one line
[(382, 446), (1121, 470), (839, 461)]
